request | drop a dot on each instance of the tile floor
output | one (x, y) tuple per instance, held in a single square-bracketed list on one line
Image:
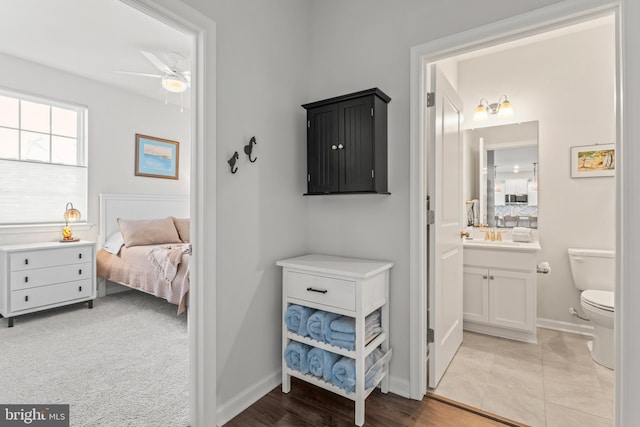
[(553, 383)]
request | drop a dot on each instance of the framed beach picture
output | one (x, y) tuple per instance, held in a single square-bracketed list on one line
[(157, 157), (589, 161)]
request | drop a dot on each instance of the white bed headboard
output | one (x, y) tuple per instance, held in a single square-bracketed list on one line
[(137, 206)]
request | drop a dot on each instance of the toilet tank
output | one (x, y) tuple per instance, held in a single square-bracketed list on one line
[(593, 269)]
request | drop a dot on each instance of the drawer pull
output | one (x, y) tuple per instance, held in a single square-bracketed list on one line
[(26, 279), (79, 288), (79, 256), (26, 297), (321, 291), (80, 271), (26, 261)]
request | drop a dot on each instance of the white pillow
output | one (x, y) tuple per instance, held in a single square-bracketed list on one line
[(114, 243)]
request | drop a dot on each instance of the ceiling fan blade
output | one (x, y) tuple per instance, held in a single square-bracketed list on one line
[(133, 73), (157, 62)]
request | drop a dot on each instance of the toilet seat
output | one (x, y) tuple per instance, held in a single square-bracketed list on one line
[(604, 300)]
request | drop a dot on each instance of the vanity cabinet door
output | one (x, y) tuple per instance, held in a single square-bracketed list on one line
[(512, 299), (475, 283)]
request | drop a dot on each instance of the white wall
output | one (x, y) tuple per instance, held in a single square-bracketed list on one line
[(262, 75), (568, 85), (360, 44), (115, 116)]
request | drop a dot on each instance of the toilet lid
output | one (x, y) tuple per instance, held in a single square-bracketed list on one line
[(600, 299)]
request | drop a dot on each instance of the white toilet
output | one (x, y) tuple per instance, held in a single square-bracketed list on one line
[(594, 274)]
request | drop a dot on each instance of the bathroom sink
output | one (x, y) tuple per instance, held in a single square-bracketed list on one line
[(504, 244)]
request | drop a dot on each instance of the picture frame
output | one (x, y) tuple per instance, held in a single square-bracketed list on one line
[(157, 157), (591, 161)]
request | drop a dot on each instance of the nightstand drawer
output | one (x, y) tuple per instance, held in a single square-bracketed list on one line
[(45, 276), (26, 260), (52, 294), (322, 290)]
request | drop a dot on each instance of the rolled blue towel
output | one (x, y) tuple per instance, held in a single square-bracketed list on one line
[(318, 325), (343, 373), (342, 336), (296, 356), (349, 345), (321, 362), (327, 319), (347, 324), (296, 318)]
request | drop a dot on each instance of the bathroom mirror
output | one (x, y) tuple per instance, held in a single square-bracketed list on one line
[(506, 182)]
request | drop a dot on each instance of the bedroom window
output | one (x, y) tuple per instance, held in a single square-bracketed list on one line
[(43, 159)]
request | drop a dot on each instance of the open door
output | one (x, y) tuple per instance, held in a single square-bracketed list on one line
[(444, 242)]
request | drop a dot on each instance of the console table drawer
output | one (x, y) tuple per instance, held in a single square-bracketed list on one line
[(27, 260), (322, 290), (45, 276), (52, 294)]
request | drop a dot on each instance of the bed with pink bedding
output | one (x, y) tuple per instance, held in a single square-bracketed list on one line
[(149, 255)]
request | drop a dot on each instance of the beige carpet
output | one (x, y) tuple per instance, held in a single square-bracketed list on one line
[(123, 363)]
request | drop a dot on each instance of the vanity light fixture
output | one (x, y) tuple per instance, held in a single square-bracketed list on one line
[(502, 108)]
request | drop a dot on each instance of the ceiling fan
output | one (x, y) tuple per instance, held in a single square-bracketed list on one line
[(173, 79)]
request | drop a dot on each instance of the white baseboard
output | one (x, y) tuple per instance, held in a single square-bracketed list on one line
[(400, 386), (565, 326), (235, 405)]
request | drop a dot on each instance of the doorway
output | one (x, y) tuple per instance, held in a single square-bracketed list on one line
[(542, 21)]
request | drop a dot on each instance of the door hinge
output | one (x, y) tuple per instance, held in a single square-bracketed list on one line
[(431, 99), (308, 177), (309, 123), (431, 217), (372, 173), (430, 336), (371, 111)]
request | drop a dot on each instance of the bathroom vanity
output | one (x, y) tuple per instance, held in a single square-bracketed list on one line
[(499, 288)]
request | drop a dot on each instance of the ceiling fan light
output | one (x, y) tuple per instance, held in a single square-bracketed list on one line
[(174, 84), (480, 113)]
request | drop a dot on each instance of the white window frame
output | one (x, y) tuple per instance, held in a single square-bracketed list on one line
[(81, 157)]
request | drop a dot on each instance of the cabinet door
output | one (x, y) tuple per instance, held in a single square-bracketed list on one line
[(322, 149), (356, 144), (512, 299), (475, 283)]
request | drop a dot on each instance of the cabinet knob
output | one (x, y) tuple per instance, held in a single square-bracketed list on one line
[(484, 276), (340, 146), (334, 147), (491, 277)]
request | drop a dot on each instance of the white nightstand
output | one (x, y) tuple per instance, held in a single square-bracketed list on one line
[(38, 276)]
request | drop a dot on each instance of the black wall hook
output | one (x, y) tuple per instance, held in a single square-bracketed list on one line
[(232, 162), (249, 148)]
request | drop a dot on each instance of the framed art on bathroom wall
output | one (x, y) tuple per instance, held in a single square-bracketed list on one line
[(588, 161)]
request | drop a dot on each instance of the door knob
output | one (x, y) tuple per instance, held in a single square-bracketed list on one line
[(340, 146), (334, 147)]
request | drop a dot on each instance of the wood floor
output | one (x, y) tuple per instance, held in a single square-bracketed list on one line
[(307, 405)]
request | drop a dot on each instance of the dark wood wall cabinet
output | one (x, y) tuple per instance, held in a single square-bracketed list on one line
[(347, 144)]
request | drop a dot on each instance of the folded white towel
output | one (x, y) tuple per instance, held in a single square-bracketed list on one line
[(523, 230)]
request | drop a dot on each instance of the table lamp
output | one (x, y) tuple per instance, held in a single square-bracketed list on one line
[(70, 215)]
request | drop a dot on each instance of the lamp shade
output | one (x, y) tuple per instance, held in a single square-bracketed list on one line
[(505, 110), (481, 113), (71, 214)]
